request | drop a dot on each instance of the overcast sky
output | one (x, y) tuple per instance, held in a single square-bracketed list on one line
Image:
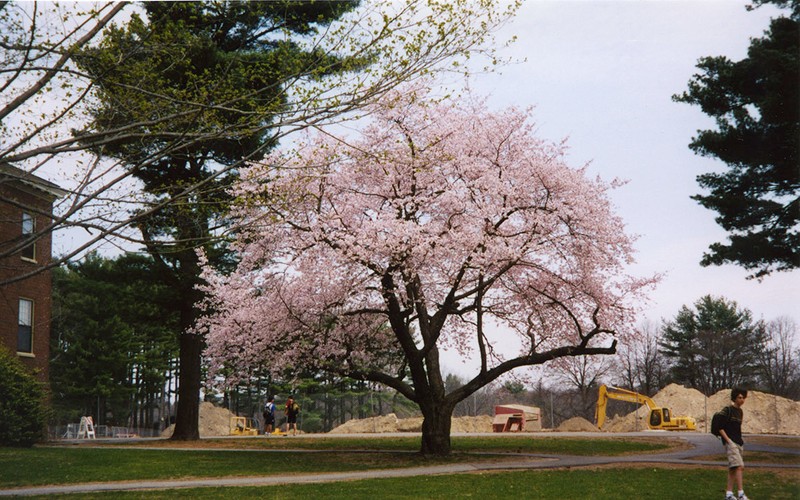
[(602, 73)]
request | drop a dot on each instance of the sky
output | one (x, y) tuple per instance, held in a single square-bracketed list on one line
[(601, 73)]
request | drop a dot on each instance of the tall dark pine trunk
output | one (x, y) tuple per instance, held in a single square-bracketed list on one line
[(187, 418)]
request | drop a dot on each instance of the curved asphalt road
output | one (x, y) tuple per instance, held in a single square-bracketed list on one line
[(701, 445)]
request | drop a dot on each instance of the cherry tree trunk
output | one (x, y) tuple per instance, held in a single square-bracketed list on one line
[(436, 430)]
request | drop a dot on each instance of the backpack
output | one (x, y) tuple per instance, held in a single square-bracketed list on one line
[(719, 420)]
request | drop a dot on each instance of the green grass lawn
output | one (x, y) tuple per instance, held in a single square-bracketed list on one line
[(561, 446), (501, 444), (38, 466), (268, 456), (153, 460), (599, 484)]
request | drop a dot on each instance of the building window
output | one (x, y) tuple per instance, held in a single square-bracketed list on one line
[(28, 227), (25, 330)]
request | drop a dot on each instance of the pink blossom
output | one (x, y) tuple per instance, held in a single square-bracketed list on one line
[(366, 255)]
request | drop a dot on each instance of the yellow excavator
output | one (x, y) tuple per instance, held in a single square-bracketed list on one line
[(660, 418)]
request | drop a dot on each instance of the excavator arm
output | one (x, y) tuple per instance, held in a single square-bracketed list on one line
[(660, 418), (600, 409), (610, 392)]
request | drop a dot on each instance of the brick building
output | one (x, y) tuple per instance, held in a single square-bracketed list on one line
[(26, 207)]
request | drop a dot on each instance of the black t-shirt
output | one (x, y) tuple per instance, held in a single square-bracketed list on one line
[(733, 427)]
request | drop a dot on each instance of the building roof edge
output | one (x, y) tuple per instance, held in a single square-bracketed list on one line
[(7, 170)]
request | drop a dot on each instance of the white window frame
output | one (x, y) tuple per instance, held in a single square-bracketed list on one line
[(28, 228), (25, 319)]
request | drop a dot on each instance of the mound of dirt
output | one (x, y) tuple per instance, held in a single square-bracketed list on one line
[(764, 413), (214, 421), (679, 399), (385, 423), (627, 423), (481, 423), (413, 424), (390, 423), (576, 424)]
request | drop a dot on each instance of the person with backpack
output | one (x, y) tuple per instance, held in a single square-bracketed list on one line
[(292, 410), (269, 415), (727, 425)]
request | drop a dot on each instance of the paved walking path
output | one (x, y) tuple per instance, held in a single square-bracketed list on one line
[(701, 445)]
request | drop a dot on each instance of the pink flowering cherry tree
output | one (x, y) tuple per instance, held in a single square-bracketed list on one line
[(440, 225)]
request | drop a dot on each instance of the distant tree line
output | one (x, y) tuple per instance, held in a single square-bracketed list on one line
[(326, 402), (114, 356), (717, 345), (711, 346), (113, 346)]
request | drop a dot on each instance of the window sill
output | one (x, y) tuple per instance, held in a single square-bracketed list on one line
[(26, 354), (28, 259)]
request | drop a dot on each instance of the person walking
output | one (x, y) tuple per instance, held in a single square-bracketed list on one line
[(291, 411), (269, 415), (731, 434)]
